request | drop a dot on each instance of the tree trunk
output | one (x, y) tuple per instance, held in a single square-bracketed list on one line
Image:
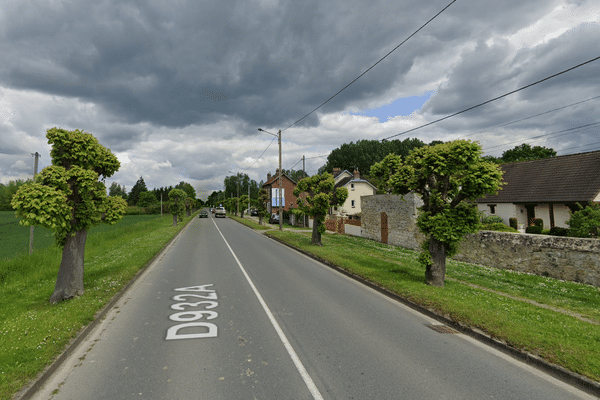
[(316, 235), (260, 219), (69, 282), (436, 272), (174, 219)]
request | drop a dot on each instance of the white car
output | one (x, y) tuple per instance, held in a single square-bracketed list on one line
[(220, 212)]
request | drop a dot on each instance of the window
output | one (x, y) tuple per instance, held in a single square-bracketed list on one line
[(353, 204), (352, 187), (492, 208)]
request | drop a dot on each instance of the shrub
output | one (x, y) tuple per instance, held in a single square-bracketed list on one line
[(499, 227), (558, 231), (492, 219), (545, 231), (534, 229), (585, 223), (513, 223), (134, 210), (539, 222)]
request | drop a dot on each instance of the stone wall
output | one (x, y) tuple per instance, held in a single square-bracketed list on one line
[(566, 258), (401, 212)]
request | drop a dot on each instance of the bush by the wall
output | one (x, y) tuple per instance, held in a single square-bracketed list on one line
[(558, 231), (499, 227), (513, 223), (539, 222), (534, 229), (492, 219)]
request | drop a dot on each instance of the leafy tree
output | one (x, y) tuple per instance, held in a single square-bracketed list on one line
[(321, 194), (364, 153), (147, 199), (585, 223), (261, 206), (243, 204), (446, 176), (117, 190), (136, 190), (525, 152), (68, 198), (187, 188), (177, 196)]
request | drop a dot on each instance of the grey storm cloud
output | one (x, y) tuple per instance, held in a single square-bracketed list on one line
[(184, 85)]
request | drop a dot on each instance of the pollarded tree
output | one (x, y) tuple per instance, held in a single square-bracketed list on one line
[(67, 197), (177, 196), (448, 177), (261, 207), (321, 194)]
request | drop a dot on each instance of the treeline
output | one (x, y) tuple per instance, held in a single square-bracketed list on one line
[(148, 201), (365, 153), (7, 191)]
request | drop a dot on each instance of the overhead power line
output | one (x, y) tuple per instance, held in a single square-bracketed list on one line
[(494, 99), (533, 138), (259, 157), (532, 116), (372, 66)]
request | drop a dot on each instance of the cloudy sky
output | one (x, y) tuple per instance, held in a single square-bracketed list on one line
[(178, 89)]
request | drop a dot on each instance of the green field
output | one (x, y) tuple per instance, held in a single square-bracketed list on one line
[(14, 238)]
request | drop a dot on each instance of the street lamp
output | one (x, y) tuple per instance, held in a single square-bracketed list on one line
[(278, 135)]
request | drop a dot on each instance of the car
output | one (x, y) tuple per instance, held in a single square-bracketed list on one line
[(203, 214), (212, 210), (274, 219), (220, 212), (254, 212)]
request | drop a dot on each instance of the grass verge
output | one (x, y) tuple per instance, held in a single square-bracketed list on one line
[(548, 333), (34, 332)]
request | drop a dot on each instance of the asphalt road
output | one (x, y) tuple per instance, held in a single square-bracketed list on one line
[(226, 313)]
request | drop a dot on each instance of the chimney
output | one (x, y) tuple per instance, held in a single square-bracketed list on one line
[(356, 174), (268, 176), (336, 172)]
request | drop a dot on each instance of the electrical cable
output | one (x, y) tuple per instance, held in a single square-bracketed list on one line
[(259, 157), (372, 66), (546, 134), (494, 99), (578, 147), (532, 116)]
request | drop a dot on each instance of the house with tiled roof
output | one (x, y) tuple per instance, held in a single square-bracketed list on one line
[(287, 188), (549, 189), (357, 187)]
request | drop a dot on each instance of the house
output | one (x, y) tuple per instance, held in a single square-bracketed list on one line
[(357, 187), (549, 189), (287, 192)]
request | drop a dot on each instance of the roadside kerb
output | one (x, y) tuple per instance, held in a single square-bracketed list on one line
[(581, 382), (33, 387)]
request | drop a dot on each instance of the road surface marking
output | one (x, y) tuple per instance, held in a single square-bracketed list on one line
[(305, 376)]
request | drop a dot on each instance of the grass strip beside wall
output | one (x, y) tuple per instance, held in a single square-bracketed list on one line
[(558, 338)]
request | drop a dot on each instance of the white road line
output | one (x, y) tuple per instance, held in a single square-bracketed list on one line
[(307, 379)]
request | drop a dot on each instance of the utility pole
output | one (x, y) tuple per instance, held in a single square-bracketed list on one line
[(280, 183), (35, 171), (303, 166)]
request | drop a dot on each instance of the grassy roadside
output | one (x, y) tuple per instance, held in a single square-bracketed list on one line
[(32, 331), (527, 312)]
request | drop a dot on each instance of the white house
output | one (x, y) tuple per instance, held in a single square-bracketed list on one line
[(549, 189), (356, 186)]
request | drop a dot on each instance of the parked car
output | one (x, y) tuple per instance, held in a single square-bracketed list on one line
[(203, 214), (254, 212), (274, 219)]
